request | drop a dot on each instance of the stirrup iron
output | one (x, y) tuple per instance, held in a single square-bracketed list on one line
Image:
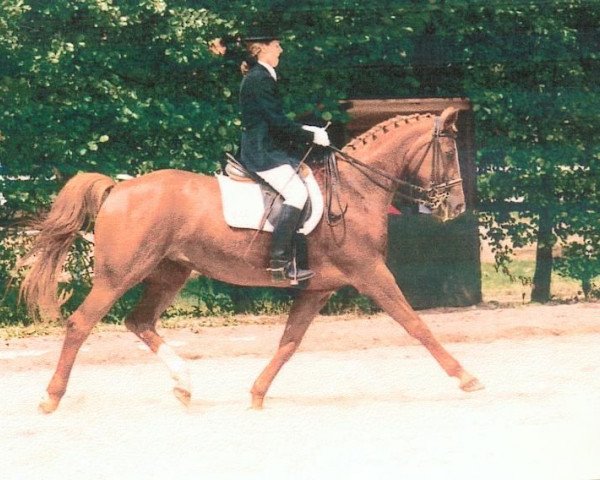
[(282, 270)]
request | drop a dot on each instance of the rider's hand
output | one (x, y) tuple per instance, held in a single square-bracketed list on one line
[(320, 135)]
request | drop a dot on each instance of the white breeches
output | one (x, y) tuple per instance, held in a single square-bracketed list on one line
[(286, 181)]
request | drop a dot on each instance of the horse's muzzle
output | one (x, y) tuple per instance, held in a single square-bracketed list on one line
[(447, 211)]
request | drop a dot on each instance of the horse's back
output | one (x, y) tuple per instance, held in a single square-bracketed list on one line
[(158, 190), (160, 202)]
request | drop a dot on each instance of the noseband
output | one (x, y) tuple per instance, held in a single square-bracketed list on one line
[(431, 197)]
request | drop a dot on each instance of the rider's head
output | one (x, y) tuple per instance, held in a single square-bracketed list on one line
[(264, 48)]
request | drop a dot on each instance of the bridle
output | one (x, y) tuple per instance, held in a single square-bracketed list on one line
[(431, 197)]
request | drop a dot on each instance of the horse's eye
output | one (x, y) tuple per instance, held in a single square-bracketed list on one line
[(449, 156)]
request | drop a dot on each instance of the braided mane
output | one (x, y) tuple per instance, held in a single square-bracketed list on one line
[(385, 127)]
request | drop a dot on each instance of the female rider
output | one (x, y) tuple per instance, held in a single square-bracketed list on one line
[(265, 129)]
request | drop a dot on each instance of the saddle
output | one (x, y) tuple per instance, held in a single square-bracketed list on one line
[(249, 202), (272, 200)]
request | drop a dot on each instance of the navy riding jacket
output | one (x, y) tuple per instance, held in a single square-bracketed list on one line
[(266, 130)]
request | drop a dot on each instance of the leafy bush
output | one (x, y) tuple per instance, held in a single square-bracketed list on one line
[(581, 262), (348, 300), (206, 297), (12, 246)]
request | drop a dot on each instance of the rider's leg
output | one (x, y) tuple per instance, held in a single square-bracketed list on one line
[(286, 181)]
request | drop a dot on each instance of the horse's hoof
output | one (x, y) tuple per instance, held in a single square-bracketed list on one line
[(471, 385), (184, 396), (48, 404), (257, 402)]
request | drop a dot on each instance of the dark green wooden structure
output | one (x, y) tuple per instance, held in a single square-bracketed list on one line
[(436, 264)]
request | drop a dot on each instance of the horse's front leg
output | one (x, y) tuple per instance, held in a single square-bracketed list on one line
[(380, 285), (304, 309)]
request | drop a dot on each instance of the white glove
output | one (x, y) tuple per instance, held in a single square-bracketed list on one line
[(320, 135)]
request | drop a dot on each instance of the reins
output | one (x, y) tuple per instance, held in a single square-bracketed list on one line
[(332, 181), (430, 197)]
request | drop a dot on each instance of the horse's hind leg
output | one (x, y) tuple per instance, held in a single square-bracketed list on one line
[(79, 325), (160, 290), (382, 288), (305, 308)]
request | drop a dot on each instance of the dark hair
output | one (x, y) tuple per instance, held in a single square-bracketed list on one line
[(251, 59)]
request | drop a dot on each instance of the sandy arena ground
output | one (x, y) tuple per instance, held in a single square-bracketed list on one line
[(360, 400)]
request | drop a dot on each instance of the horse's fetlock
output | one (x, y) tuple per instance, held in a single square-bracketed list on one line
[(55, 394), (131, 325), (132, 328), (258, 391)]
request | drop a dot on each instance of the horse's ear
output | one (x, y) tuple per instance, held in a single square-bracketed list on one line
[(449, 117)]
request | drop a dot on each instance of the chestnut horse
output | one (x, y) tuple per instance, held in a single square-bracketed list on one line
[(159, 227)]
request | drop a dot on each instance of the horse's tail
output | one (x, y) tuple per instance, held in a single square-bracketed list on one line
[(79, 200)]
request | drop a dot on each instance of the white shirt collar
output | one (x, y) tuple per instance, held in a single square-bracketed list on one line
[(270, 69)]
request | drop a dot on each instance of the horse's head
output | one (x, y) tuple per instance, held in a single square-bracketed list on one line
[(432, 164)]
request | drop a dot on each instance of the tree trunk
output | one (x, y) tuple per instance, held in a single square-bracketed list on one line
[(586, 286), (543, 258)]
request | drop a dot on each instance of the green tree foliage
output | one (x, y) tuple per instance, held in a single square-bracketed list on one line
[(114, 87), (131, 86), (108, 86), (537, 100), (582, 262)]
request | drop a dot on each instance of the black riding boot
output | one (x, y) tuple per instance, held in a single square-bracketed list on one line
[(282, 266)]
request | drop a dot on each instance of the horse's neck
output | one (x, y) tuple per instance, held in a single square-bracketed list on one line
[(384, 152)]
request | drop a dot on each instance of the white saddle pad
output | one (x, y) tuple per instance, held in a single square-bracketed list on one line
[(243, 204)]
